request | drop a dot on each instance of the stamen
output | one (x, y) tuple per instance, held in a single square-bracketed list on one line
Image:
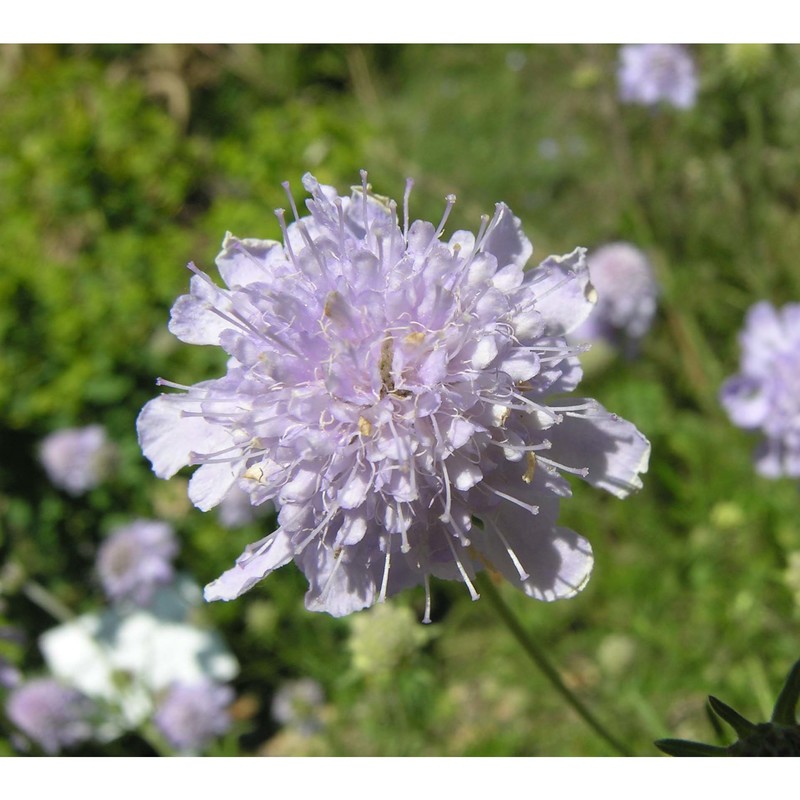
[(280, 213), (523, 448), (200, 458), (588, 405), (527, 506), (325, 521), (311, 244), (474, 594), (426, 619), (478, 238), (406, 196), (405, 546), (385, 580), (292, 205), (523, 574), (462, 537), (200, 274), (340, 210), (172, 385), (445, 516), (365, 189), (451, 199), (491, 226), (393, 212), (580, 471)]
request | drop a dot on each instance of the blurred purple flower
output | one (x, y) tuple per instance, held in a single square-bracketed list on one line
[(626, 291), (77, 459), (136, 559), (765, 394), (390, 392), (651, 73), (191, 716), (52, 715)]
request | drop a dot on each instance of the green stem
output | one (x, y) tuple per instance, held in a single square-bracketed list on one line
[(47, 601), (537, 655)]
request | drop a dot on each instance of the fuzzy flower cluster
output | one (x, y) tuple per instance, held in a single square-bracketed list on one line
[(765, 394), (51, 714), (77, 459), (191, 716), (400, 398), (654, 73), (627, 295), (299, 704), (136, 559)]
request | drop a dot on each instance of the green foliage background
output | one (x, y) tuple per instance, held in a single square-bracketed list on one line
[(119, 164)]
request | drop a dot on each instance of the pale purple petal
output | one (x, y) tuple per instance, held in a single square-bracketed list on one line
[(564, 295), (547, 563), (168, 436), (610, 448), (242, 261), (507, 242), (255, 563)]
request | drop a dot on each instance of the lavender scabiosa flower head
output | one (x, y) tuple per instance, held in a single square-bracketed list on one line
[(136, 559), (765, 394), (77, 459), (396, 396), (627, 294), (51, 714), (191, 716), (653, 73)]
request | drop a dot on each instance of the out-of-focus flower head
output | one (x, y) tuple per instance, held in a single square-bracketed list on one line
[(626, 296), (382, 637), (748, 60), (391, 393), (127, 656), (51, 714), (654, 73), (136, 559), (765, 394), (298, 704), (191, 716), (77, 459)]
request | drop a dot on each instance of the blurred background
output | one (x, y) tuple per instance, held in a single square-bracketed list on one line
[(120, 164)]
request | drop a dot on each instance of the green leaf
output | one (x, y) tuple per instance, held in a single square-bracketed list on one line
[(785, 709), (742, 726), (682, 747)]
